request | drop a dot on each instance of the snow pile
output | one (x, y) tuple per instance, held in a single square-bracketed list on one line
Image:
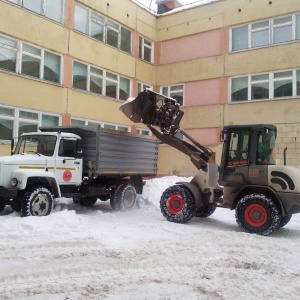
[(79, 253)]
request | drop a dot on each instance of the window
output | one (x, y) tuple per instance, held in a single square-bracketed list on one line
[(143, 131), (52, 9), (143, 86), (99, 81), (81, 122), (102, 29), (33, 61), (175, 92), (265, 33), (14, 121), (146, 50), (67, 147), (238, 148), (272, 85)]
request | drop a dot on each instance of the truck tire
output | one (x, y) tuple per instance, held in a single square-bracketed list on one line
[(37, 202), (123, 197), (256, 213), (205, 211), (177, 204), (284, 220), (2, 206), (87, 201)]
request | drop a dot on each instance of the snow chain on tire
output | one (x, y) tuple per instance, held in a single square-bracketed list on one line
[(256, 213)]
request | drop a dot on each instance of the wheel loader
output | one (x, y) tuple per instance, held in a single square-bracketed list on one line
[(263, 194)]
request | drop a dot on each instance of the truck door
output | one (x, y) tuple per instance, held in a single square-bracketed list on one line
[(68, 169)]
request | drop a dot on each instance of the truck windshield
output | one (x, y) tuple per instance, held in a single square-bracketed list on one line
[(36, 144)]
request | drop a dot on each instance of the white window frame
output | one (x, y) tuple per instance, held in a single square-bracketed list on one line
[(143, 45), (140, 131), (105, 78), (20, 52), (16, 119), (169, 93), (106, 27), (271, 27), (271, 80), (142, 86), (44, 9)]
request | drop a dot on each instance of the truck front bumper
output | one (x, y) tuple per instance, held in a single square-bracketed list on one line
[(8, 192)]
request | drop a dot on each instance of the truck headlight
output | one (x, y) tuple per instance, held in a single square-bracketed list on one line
[(14, 182)]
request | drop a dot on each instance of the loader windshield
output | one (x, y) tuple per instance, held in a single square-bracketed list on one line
[(36, 144)]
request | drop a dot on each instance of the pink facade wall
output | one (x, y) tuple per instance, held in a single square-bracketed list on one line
[(206, 136), (206, 92), (200, 45)]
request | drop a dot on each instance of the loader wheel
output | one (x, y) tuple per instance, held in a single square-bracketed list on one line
[(256, 213), (205, 211), (87, 201), (37, 202), (284, 220), (177, 204), (123, 198)]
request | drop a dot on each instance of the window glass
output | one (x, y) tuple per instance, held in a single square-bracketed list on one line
[(77, 122), (96, 84), (165, 91), (298, 27), (124, 88), (54, 10), (282, 30), (8, 59), (260, 90), (31, 50), (97, 31), (28, 115), (298, 82), (111, 89), (108, 126), (81, 19), (238, 148), (7, 111), (31, 66), (283, 84), (6, 129), (177, 95), (142, 87), (260, 38), (15, 1), (240, 38), (122, 128), (67, 147), (27, 127), (50, 120), (34, 5), (112, 37), (239, 89), (8, 42), (52, 67), (79, 76), (125, 40)]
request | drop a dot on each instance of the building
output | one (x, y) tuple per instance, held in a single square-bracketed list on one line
[(68, 62)]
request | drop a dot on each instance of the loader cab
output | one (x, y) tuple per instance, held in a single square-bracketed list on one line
[(244, 146)]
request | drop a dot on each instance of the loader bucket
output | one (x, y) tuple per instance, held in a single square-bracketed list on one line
[(154, 109)]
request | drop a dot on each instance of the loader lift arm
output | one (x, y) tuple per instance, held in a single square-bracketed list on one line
[(153, 109)]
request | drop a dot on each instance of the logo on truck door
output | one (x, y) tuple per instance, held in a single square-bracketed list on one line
[(67, 176)]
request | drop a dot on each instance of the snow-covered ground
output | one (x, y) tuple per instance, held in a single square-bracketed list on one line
[(96, 253)]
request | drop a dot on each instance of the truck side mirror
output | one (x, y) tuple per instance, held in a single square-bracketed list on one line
[(78, 150)]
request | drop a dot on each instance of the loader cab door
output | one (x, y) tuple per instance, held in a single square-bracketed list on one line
[(235, 156)]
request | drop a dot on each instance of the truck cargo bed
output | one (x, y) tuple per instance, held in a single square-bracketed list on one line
[(114, 152)]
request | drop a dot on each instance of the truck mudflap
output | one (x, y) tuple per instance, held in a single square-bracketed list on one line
[(8, 192)]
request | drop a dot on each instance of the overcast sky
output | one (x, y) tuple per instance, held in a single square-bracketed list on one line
[(154, 6)]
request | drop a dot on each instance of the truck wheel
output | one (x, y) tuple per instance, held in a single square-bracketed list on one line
[(256, 213), (205, 211), (87, 201), (2, 206), (177, 204), (123, 198), (37, 202), (284, 220)]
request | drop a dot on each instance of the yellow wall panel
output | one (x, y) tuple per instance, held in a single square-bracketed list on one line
[(99, 54), (145, 72), (93, 107), (32, 94), (202, 117), (201, 69), (26, 26)]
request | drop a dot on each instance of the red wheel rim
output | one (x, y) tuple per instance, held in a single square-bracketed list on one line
[(175, 204), (256, 215)]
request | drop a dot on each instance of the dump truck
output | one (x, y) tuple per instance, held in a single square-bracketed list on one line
[(264, 195), (85, 163)]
